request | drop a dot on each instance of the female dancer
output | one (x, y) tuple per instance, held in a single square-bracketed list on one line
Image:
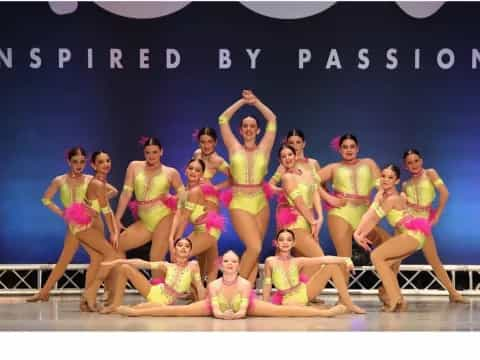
[(151, 181), (249, 209), (284, 272), (411, 234), (296, 208), (231, 297), (207, 140), (352, 179), (196, 209), (81, 217), (420, 192), (72, 187), (180, 275)]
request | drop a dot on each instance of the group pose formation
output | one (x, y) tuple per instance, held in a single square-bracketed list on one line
[(163, 206)]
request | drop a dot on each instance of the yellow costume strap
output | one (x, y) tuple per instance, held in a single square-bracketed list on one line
[(271, 126), (267, 281), (277, 176), (127, 188), (197, 277), (377, 183), (378, 209), (223, 119), (438, 182), (155, 265), (295, 193), (223, 166), (189, 205), (106, 210), (46, 201), (180, 189)]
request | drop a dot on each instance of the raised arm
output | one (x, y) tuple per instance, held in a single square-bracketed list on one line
[(271, 129), (50, 193), (443, 192), (126, 194), (228, 138)]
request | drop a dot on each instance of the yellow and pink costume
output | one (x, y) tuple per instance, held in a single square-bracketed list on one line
[(421, 194), (290, 284), (153, 201), (177, 284), (352, 182)]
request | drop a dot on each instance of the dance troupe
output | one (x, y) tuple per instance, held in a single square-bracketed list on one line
[(298, 271)]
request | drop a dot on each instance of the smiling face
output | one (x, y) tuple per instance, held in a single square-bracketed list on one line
[(249, 129), (287, 158), (207, 144), (349, 150), (152, 154), (413, 163), (230, 263), (194, 171), (102, 164), (285, 242), (297, 143), (388, 179), (77, 164)]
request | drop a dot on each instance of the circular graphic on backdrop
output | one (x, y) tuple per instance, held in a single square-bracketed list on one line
[(287, 9)]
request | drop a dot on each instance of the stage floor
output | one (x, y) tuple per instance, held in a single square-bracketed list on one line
[(61, 313)]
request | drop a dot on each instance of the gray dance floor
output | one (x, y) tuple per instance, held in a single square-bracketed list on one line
[(62, 313)]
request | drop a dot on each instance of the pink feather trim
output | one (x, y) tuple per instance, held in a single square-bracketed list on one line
[(335, 143), (418, 224), (432, 214), (209, 190), (214, 220), (133, 206), (171, 202), (303, 278), (195, 134), (268, 190), (226, 197), (251, 300), (281, 198), (286, 216), (77, 214), (143, 140), (277, 298), (157, 280)]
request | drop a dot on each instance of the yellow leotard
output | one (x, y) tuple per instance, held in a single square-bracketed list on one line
[(304, 165), (288, 282), (420, 195), (248, 173), (150, 189), (355, 182), (233, 304), (197, 212), (69, 195), (209, 173), (177, 282), (307, 192)]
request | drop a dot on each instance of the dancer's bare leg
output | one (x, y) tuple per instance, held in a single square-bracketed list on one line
[(266, 309), (341, 233), (159, 247), (199, 308)]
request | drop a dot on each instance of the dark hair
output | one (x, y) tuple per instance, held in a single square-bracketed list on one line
[(296, 132), (207, 131), (394, 168), (249, 116), (233, 252), (285, 146), (200, 161), (77, 150), (185, 238), (281, 231), (152, 141), (410, 152), (347, 137), (95, 154)]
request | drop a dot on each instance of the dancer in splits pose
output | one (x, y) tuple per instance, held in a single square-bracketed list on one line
[(353, 179), (179, 277), (248, 205), (420, 191), (197, 208), (231, 297), (72, 188), (283, 271), (150, 181), (214, 163), (411, 233)]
